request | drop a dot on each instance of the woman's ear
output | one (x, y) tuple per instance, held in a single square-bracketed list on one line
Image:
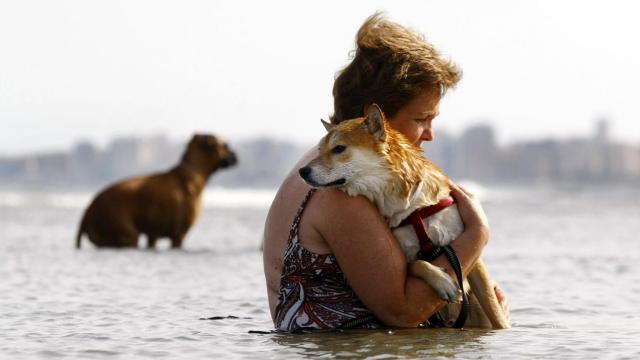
[(328, 126), (375, 121)]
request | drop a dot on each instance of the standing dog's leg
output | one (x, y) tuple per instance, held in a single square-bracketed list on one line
[(129, 240), (127, 235), (482, 287), (176, 241)]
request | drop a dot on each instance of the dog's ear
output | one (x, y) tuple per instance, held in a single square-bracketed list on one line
[(206, 141), (375, 121), (328, 126)]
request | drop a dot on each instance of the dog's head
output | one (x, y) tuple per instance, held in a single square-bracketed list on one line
[(209, 153), (352, 152)]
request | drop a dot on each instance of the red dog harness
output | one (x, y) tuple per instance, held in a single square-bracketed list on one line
[(416, 217)]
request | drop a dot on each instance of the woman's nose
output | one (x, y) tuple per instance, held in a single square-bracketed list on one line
[(427, 135)]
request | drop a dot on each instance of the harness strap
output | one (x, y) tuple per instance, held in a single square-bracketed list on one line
[(415, 220), (421, 231), (425, 212)]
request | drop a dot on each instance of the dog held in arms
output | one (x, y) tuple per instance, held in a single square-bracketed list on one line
[(160, 205), (365, 156)]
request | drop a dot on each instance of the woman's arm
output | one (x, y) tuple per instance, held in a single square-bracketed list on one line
[(373, 262)]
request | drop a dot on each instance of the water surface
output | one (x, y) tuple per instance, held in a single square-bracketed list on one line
[(567, 260)]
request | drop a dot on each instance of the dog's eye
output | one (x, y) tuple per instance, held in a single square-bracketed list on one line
[(338, 149)]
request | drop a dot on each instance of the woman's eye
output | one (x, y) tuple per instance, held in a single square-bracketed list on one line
[(338, 149)]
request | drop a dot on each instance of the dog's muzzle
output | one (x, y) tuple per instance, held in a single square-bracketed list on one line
[(305, 174), (230, 160)]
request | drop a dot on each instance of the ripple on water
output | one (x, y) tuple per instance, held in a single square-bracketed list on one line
[(98, 352), (51, 354)]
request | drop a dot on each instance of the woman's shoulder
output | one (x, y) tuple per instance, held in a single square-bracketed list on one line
[(287, 199), (333, 209)]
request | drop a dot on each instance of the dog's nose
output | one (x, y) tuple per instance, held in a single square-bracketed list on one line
[(233, 159), (230, 160), (304, 172)]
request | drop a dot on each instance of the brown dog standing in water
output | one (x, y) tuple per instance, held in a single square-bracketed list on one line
[(160, 205)]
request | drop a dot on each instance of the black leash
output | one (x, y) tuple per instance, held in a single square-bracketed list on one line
[(455, 263)]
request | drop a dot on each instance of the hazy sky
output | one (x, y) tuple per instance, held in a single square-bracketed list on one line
[(92, 70)]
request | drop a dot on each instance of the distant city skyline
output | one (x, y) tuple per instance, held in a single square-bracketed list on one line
[(263, 163), (245, 69), (104, 143)]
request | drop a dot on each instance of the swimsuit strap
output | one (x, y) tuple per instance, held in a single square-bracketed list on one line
[(293, 232)]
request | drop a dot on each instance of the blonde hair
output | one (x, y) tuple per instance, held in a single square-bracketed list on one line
[(391, 66)]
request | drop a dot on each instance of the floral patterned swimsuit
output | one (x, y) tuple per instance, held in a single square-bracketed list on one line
[(314, 294)]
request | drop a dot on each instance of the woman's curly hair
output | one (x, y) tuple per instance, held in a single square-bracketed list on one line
[(391, 66)]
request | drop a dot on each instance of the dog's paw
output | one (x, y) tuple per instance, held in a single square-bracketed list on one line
[(446, 287), (437, 277)]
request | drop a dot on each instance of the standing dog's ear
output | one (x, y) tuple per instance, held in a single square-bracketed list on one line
[(375, 121), (327, 126), (207, 141)]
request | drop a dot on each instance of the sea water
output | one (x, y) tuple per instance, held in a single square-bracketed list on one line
[(568, 261)]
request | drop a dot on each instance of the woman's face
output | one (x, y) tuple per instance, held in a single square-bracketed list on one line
[(414, 119)]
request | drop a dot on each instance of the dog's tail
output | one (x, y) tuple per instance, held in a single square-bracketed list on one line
[(482, 287), (81, 230)]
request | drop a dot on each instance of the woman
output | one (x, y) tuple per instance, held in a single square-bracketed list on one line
[(330, 259)]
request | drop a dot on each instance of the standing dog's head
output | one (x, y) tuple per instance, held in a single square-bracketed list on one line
[(208, 153), (352, 153)]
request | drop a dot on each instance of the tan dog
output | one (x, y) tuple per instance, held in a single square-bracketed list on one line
[(160, 205), (365, 156)]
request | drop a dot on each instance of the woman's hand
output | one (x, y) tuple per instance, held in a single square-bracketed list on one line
[(471, 211)]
